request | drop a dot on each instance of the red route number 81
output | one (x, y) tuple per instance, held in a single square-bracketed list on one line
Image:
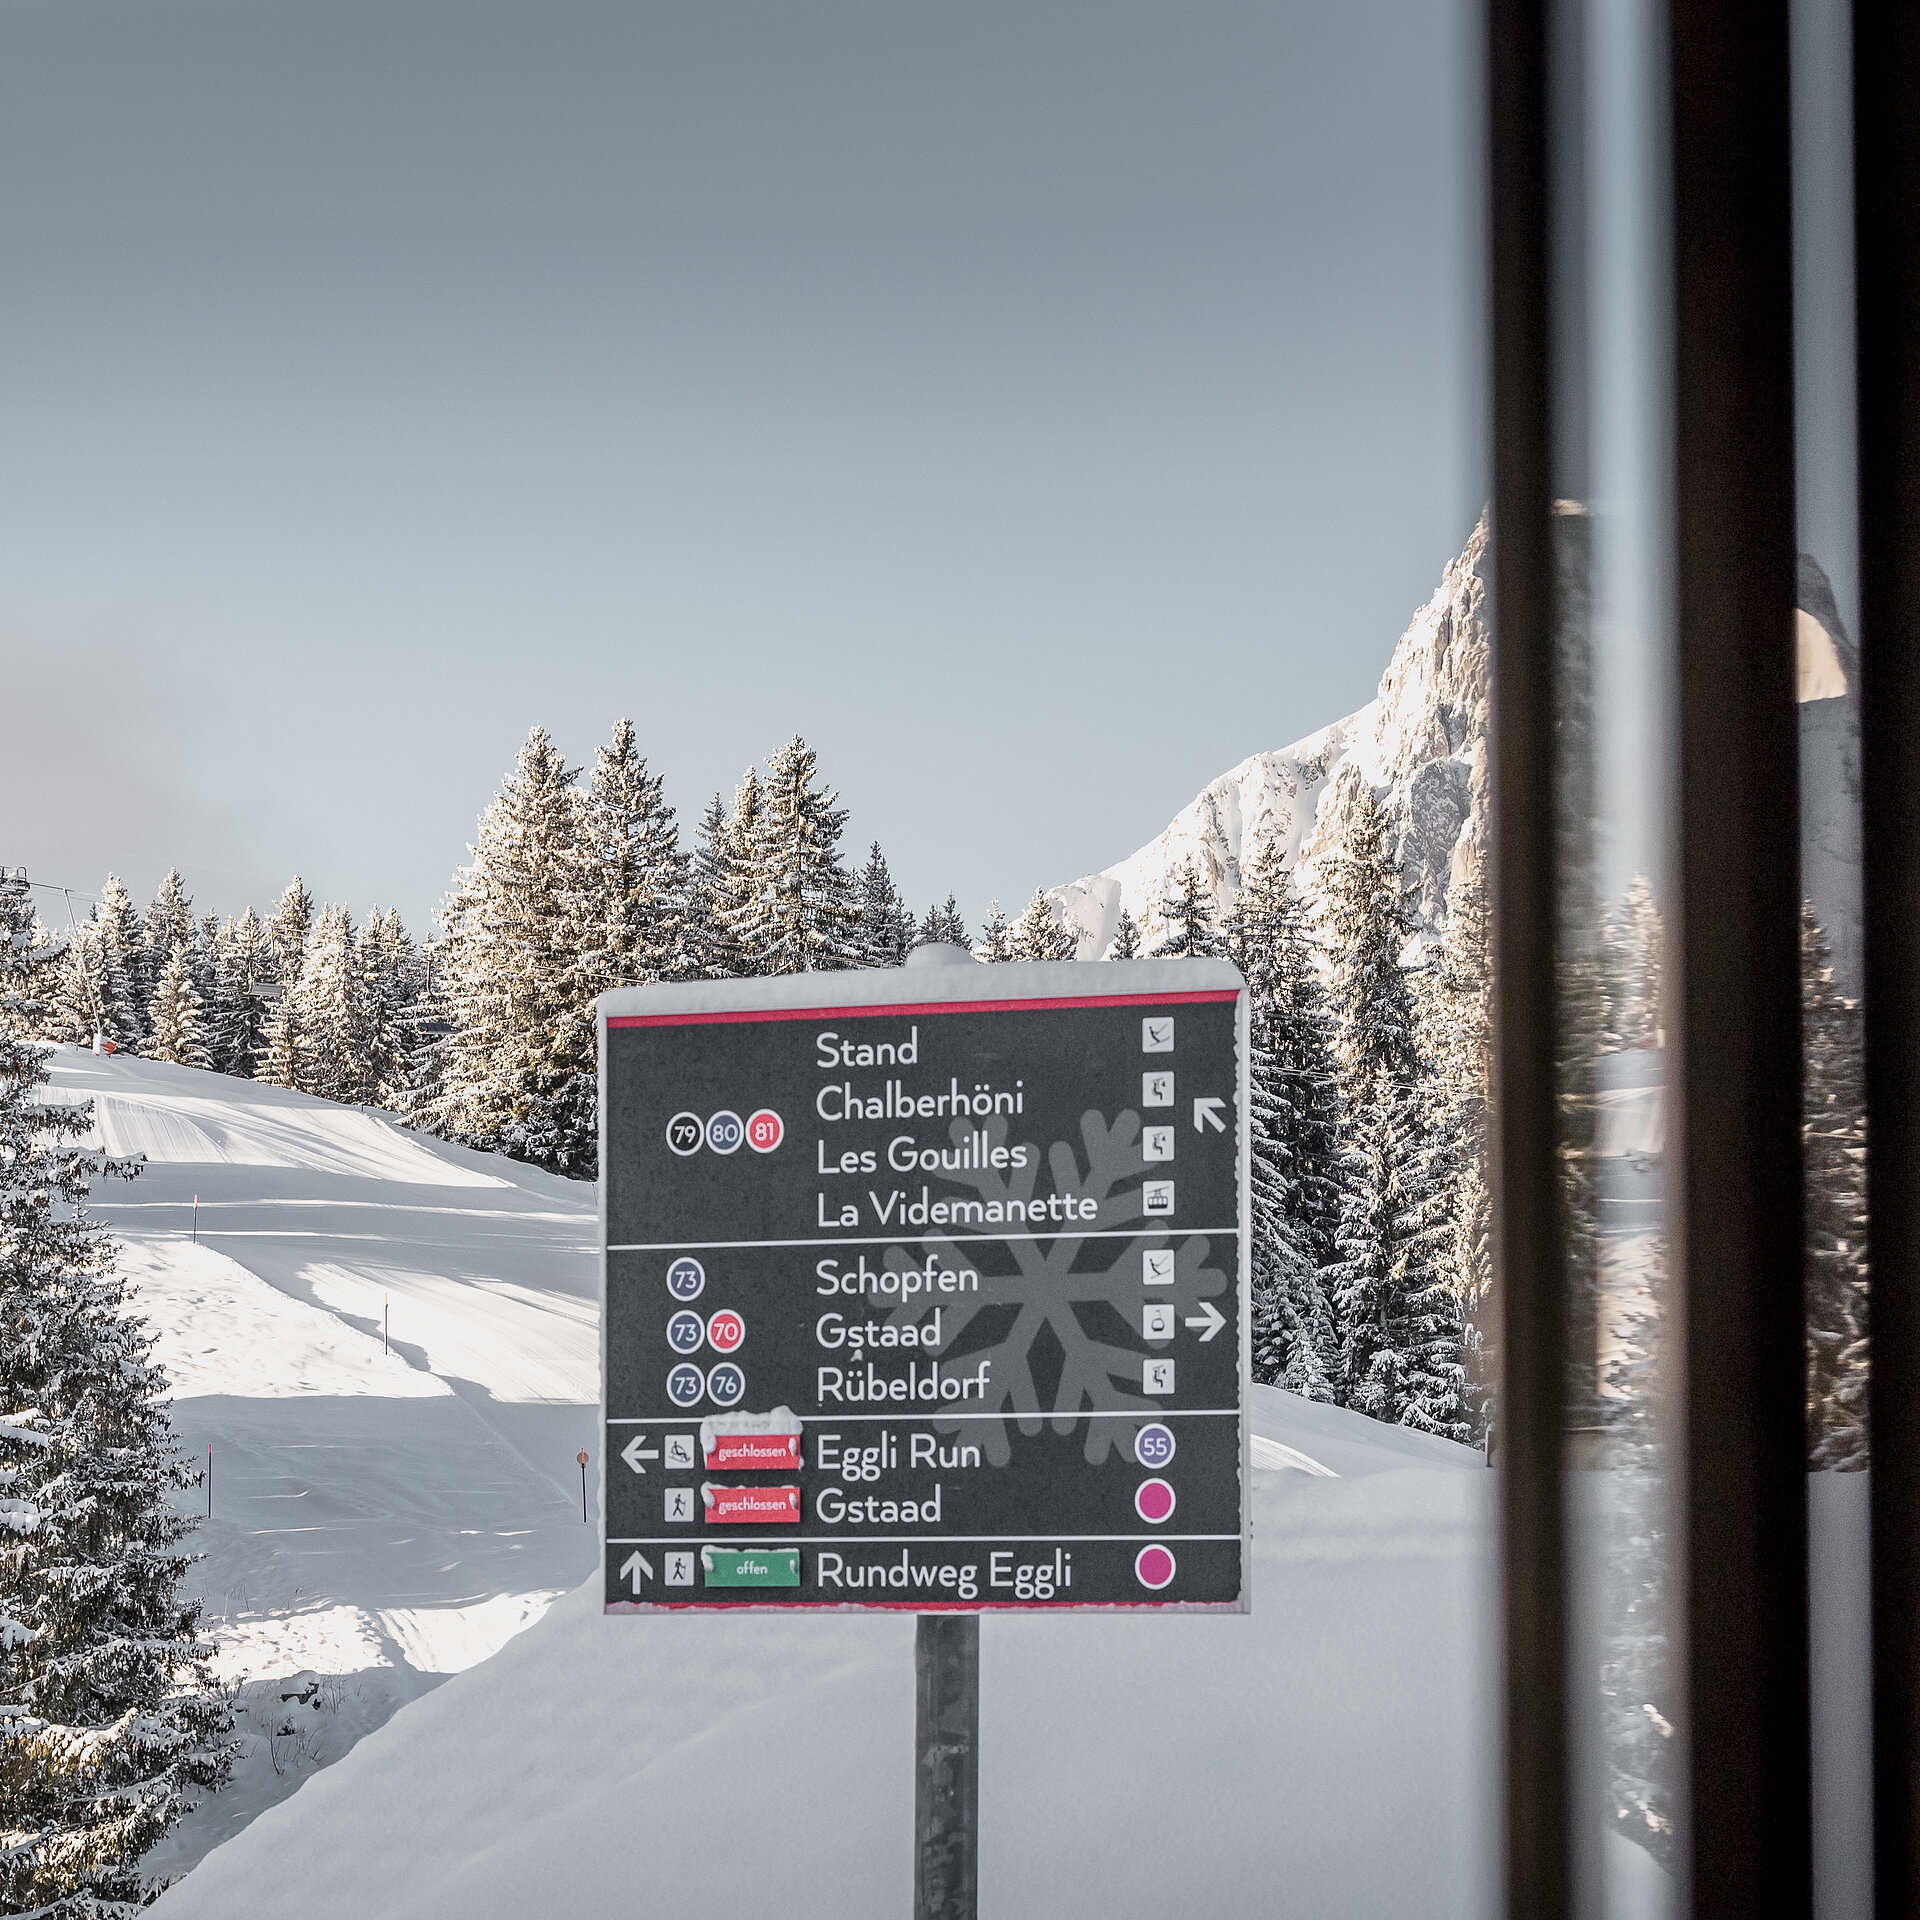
[(764, 1130)]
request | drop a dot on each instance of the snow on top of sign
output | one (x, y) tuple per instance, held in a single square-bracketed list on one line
[(893, 987), (780, 1420)]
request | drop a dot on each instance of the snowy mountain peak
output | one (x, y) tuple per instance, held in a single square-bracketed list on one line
[(1420, 743)]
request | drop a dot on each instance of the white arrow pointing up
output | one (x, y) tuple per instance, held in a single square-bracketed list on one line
[(637, 1450), (633, 1566), (1209, 1320), (1207, 1112)]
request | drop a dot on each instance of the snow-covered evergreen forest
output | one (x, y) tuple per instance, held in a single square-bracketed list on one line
[(1371, 1037), (110, 1719), (1371, 1217)]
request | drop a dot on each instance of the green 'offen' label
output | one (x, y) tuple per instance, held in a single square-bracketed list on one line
[(768, 1567)]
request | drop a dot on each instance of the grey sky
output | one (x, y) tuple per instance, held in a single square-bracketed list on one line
[(1039, 406)]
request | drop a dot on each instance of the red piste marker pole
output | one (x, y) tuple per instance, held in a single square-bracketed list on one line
[(583, 1486), (196, 1219), (209, 1479)]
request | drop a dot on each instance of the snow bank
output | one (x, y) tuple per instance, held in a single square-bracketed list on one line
[(1330, 1753)]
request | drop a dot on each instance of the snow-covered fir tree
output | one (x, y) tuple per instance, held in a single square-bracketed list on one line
[(712, 952), (77, 992), (1457, 1009), (287, 928), (1126, 938), (27, 964), (390, 989), (996, 938), (1402, 1330), (886, 927), (944, 927), (806, 915), (178, 1029), (286, 1051), (1187, 913), (206, 961), (169, 927), (332, 994), (1402, 1327), (1295, 1133), (427, 1031), (518, 1071), (1039, 934), (736, 898), (632, 874), (109, 1719), (237, 1013), (1835, 1132), (122, 945)]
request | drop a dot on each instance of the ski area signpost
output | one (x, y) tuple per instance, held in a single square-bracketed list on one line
[(926, 1289)]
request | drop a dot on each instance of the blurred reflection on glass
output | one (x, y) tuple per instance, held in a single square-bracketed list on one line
[(1613, 662), (1833, 1094)]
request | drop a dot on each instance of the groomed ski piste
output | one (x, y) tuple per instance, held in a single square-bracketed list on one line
[(439, 1721)]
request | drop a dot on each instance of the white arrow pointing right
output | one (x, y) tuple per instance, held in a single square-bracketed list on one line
[(1209, 1320), (633, 1566), (637, 1450), (1207, 1112)]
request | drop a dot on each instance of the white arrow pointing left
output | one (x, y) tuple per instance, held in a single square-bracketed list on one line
[(633, 1566), (1209, 1320), (637, 1450), (1207, 1112)]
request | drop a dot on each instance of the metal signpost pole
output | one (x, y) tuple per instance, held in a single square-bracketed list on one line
[(946, 1755), (925, 1290)]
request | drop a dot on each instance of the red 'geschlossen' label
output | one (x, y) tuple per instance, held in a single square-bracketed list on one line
[(751, 1506), (755, 1452)]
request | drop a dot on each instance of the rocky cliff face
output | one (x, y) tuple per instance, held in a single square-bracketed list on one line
[(1421, 743)]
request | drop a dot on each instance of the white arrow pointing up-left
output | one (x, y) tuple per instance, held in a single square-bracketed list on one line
[(637, 1450), (1209, 1320), (1207, 1112), (633, 1566)]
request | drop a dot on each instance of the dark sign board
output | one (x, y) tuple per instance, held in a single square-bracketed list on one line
[(926, 1289)]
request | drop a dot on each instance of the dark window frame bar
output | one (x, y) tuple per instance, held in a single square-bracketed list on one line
[(1735, 1074), (1530, 1256), (1886, 92), (1735, 1214)]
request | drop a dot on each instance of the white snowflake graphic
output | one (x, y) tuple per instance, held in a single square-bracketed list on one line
[(1055, 1291)]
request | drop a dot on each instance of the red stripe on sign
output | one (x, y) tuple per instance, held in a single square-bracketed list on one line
[(925, 1006), (751, 1506), (756, 1452)]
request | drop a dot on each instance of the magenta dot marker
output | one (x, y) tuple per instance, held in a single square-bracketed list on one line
[(1153, 1567), (1154, 1501)]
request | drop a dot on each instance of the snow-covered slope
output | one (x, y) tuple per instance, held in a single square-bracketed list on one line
[(1420, 743), (385, 1519), (1333, 1752), (383, 1516)]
